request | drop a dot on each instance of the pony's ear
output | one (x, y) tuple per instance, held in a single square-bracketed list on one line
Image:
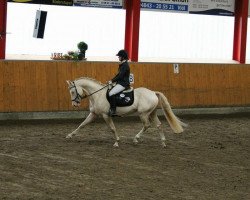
[(69, 82)]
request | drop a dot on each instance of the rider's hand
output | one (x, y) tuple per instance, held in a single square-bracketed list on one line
[(110, 82)]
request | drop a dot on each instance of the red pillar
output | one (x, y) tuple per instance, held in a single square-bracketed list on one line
[(136, 28), (128, 27), (240, 30), (132, 27), (3, 19)]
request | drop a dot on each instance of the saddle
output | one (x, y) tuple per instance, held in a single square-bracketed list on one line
[(124, 98)]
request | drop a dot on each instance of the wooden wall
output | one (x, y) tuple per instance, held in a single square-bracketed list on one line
[(41, 85)]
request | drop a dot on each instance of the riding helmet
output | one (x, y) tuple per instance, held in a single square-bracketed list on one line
[(122, 53)]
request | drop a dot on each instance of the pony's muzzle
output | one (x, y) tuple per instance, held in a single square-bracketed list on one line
[(76, 104)]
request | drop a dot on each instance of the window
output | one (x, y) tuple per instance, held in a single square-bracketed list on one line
[(167, 36)]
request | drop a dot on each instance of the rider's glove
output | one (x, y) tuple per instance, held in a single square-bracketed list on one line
[(110, 82)]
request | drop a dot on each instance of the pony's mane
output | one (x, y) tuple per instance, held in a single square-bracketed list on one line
[(91, 79)]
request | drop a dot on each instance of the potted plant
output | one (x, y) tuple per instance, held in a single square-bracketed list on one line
[(82, 46), (72, 55)]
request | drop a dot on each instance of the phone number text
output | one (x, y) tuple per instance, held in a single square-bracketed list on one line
[(164, 6)]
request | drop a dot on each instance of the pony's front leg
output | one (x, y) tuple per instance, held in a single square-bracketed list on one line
[(110, 123), (89, 119)]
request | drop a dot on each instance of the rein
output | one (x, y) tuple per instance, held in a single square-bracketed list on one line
[(86, 95)]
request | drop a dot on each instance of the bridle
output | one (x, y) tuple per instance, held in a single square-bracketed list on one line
[(78, 97)]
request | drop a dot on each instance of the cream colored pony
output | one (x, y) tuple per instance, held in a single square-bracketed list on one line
[(145, 104)]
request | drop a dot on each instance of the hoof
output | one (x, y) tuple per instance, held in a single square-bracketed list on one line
[(135, 141), (69, 136), (116, 145), (163, 145)]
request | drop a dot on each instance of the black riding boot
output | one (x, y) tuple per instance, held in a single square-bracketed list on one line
[(112, 111)]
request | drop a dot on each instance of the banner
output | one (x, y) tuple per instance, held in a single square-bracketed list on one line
[(165, 5), (212, 7), (99, 3), (207, 7), (47, 2)]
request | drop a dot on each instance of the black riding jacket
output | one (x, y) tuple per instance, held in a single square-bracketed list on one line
[(122, 77)]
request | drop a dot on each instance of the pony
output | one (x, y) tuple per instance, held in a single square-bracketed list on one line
[(145, 104)]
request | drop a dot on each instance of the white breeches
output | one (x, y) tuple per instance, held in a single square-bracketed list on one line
[(115, 90)]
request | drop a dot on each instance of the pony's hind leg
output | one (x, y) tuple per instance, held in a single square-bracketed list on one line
[(146, 125), (89, 119), (110, 123), (157, 124)]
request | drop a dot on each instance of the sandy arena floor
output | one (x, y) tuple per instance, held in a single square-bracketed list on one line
[(210, 160)]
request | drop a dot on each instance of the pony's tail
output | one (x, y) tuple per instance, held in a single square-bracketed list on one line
[(175, 123)]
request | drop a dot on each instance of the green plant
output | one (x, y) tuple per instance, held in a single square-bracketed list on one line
[(75, 56), (72, 55), (82, 46)]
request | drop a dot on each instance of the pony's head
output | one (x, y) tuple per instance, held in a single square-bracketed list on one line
[(76, 93)]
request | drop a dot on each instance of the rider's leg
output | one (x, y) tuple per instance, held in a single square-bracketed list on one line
[(112, 111), (115, 90)]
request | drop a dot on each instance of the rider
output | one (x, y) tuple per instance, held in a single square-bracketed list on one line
[(121, 80)]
